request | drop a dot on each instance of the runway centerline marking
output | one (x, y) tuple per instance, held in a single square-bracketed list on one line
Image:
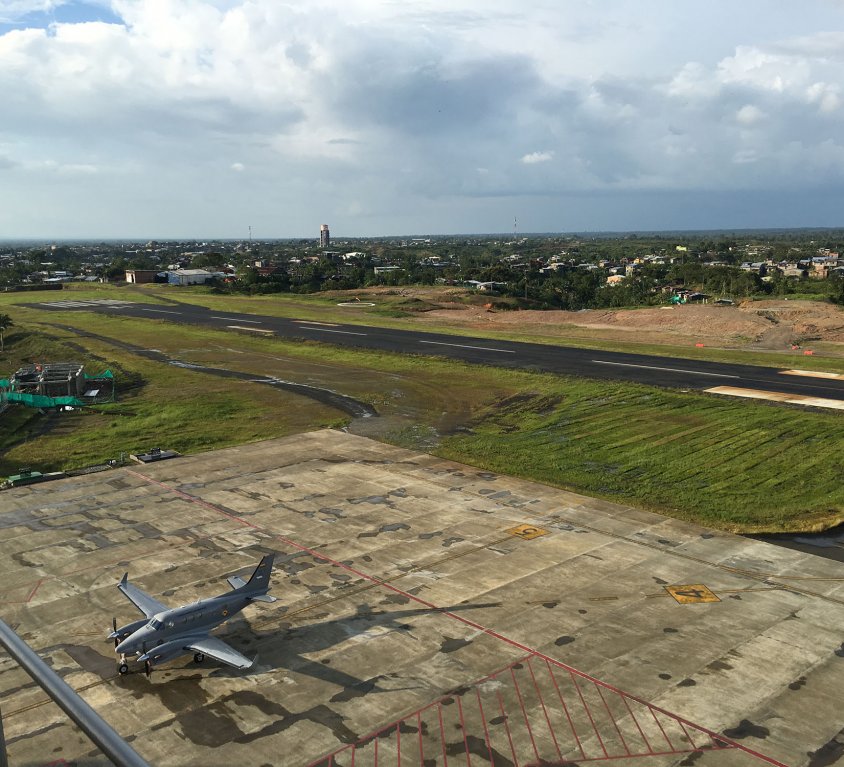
[(251, 330), (235, 319), (158, 311), (465, 346), (342, 332), (314, 322), (669, 370)]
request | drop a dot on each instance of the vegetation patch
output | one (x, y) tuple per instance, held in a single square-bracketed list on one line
[(743, 467), (734, 465)]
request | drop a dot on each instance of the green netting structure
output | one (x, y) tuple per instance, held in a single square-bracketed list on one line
[(41, 400), (8, 394)]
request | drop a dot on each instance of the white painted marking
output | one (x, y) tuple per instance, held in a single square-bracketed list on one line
[(343, 332), (811, 374), (466, 346), (235, 319), (668, 370), (253, 330), (313, 322), (774, 396), (158, 311)]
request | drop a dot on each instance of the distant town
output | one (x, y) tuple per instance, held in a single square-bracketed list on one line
[(536, 271)]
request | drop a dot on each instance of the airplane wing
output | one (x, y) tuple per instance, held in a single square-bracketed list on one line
[(219, 650), (143, 601)]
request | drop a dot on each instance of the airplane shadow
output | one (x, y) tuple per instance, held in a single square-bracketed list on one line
[(284, 648)]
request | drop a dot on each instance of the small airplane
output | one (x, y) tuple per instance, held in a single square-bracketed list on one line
[(166, 633)]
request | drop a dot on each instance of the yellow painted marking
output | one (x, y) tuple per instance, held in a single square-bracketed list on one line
[(253, 330), (528, 532), (692, 594), (811, 374), (773, 396)]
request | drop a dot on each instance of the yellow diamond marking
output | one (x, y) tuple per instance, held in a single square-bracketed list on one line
[(692, 594), (527, 532)]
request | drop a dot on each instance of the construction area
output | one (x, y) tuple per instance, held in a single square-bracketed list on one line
[(57, 384), (428, 613)]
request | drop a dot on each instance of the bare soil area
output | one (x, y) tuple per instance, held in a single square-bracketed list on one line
[(774, 324)]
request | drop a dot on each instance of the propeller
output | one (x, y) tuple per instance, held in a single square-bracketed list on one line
[(114, 633), (147, 664)]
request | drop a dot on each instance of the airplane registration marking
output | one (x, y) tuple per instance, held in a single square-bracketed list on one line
[(527, 532), (690, 594)]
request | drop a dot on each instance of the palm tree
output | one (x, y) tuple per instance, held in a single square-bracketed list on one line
[(5, 324)]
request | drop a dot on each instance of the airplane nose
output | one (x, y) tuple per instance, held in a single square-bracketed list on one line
[(123, 647)]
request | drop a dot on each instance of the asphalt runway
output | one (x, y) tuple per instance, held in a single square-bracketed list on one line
[(590, 363)]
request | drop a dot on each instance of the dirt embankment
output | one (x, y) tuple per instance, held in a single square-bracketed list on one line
[(770, 324), (774, 324)]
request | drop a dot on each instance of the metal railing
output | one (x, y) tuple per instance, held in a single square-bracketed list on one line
[(88, 720)]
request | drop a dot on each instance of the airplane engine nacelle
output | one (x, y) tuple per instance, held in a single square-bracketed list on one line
[(167, 651), (129, 628)]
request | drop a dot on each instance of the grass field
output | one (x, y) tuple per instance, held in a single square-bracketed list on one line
[(691, 456), (737, 465)]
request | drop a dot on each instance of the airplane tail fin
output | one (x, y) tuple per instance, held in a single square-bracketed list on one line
[(259, 583)]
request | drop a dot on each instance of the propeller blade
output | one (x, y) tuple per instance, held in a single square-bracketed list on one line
[(114, 633), (148, 668)]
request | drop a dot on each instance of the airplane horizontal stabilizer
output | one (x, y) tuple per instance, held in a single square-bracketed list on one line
[(263, 598), (236, 582)]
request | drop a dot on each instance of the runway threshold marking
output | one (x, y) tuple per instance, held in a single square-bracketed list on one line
[(235, 319), (667, 370), (376, 581), (812, 374), (466, 346), (774, 396)]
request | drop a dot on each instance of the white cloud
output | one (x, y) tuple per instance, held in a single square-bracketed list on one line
[(407, 105), (536, 157), (749, 115)]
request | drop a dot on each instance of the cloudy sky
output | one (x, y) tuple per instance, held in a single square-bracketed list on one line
[(200, 118)]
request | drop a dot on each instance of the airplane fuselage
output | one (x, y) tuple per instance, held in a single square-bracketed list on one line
[(195, 619)]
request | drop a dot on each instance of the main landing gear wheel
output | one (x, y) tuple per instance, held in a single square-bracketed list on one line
[(123, 669), (198, 657)]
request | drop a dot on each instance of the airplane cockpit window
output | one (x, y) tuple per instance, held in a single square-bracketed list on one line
[(156, 624)]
